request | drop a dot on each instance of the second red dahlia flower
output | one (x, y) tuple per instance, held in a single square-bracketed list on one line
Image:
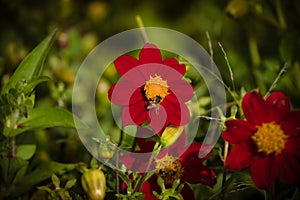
[(268, 140)]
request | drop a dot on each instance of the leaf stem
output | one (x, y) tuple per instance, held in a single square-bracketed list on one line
[(281, 20), (12, 147)]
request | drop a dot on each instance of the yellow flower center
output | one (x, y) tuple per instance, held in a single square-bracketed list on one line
[(269, 138), (169, 169), (156, 89)]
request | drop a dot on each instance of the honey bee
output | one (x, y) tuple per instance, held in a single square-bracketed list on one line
[(153, 104)]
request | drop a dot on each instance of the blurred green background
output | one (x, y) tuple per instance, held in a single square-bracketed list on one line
[(258, 36)]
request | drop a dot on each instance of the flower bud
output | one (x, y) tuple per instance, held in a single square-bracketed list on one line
[(94, 184), (170, 135), (236, 8), (106, 150)]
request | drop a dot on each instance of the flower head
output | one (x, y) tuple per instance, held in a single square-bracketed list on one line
[(151, 90), (267, 141), (173, 163)]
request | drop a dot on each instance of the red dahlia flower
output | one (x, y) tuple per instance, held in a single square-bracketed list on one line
[(151, 90), (170, 165), (268, 140)]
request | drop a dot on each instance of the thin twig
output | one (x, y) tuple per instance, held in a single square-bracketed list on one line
[(228, 65), (283, 70), (211, 52), (210, 118)]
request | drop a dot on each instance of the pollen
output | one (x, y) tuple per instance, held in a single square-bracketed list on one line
[(169, 169), (269, 138), (156, 87)]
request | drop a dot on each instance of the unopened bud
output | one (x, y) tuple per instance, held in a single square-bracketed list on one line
[(94, 184), (236, 8), (170, 135)]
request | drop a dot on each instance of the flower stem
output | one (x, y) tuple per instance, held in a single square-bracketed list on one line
[(117, 162), (270, 193), (155, 152), (281, 20), (226, 147), (256, 61), (141, 26)]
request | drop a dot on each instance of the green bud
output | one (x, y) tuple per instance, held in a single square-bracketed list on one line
[(236, 8), (170, 135), (94, 184), (106, 149)]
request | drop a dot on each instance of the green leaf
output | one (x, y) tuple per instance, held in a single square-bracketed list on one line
[(46, 118), (32, 64), (94, 163), (125, 178), (44, 188), (55, 180), (70, 183), (41, 173), (32, 83), (25, 151), (149, 175), (21, 173), (10, 167)]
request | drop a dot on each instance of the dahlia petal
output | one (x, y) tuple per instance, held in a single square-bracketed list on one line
[(126, 117), (280, 102), (257, 111), (183, 90), (292, 146), (134, 115), (291, 124), (149, 186), (145, 144), (181, 68), (111, 90), (157, 118), (178, 113), (187, 192), (238, 131), (137, 97), (144, 132), (191, 156), (239, 157), (151, 69), (264, 172), (199, 174), (125, 63), (150, 54), (127, 160), (136, 76), (121, 92), (289, 168), (135, 161)]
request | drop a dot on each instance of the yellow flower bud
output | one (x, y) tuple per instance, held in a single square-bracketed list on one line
[(236, 8), (94, 184), (170, 135)]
